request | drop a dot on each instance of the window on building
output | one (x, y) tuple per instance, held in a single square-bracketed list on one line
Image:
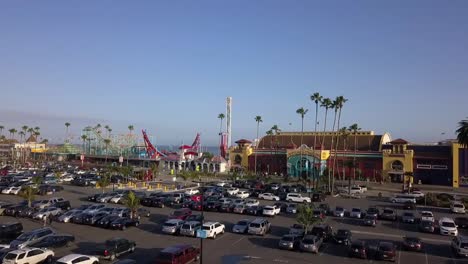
[(423, 166), (439, 167)]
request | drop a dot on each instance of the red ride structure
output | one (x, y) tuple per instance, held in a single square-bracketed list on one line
[(152, 153)]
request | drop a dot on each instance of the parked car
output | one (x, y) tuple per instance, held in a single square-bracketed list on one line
[(462, 222), (373, 211), (342, 236), (388, 214), (386, 251), (318, 213), (310, 243), (259, 226), (123, 223), (54, 241), (254, 210), (369, 220), (297, 229), (290, 242), (339, 211), (459, 246), (412, 244), (195, 217), (28, 255), (241, 226), (181, 214), (457, 207), (251, 202), (426, 226), (13, 210), (408, 217), (116, 247), (242, 194), (239, 209), (447, 227), (9, 231), (358, 249), (409, 206), (271, 210), (427, 216), (324, 231), (403, 198), (106, 221), (30, 237), (172, 226), (47, 212), (189, 228), (178, 254), (213, 229), (318, 197), (297, 197), (355, 213), (291, 208), (268, 196), (77, 259)]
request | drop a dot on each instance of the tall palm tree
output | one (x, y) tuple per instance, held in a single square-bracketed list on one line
[(221, 117), (1, 130), (258, 120), (28, 194), (24, 129), (83, 138), (340, 101), (107, 128), (317, 98), (37, 128), (130, 128), (327, 104), (12, 133), (269, 133), (67, 124), (330, 175), (462, 133), (302, 112), (31, 131), (276, 129), (21, 134), (354, 128), (107, 141)]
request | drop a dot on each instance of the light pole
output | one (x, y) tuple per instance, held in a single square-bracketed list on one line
[(200, 183)]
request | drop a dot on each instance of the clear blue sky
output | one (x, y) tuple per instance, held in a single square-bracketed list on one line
[(168, 66)]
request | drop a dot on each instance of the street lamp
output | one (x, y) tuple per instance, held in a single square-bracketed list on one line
[(202, 233)]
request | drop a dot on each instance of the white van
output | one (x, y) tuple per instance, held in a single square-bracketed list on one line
[(403, 198)]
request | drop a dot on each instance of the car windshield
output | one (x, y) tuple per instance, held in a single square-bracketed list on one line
[(169, 224), (24, 236), (388, 211), (448, 224), (385, 247), (342, 232), (206, 227), (357, 246), (356, 210), (308, 241), (288, 238), (372, 210), (426, 214), (464, 245), (255, 225), (165, 256), (458, 205), (186, 226), (412, 239), (370, 217), (408, 214), (111, 243), (242, 223), (339, 209), (426, 223)]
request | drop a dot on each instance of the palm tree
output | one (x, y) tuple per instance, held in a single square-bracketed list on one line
[(12, 132), (269, 133), (131, 128), (462, 133), (327, 104), (334, 106), (37, 128), (104, 181), (340, 100), (24, 129), (67, 124), (45, 141), (1, 130), (28, 194), (302, 112), (132, 202), (107, 141), (83, 138), (31, 131), (354, 128), (22, 134), (221, 117), (259, 120), (276, 129), (317, 98)]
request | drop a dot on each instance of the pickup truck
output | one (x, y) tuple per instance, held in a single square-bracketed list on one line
[(358, 189)]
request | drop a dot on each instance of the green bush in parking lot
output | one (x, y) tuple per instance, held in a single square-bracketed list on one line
[(28, 194), (133, 203), (305, 216)]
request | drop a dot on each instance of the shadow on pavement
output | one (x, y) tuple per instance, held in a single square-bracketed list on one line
[(265, 242)]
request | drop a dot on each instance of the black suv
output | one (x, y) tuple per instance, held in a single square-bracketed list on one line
[(64, 205), (343, 236), (318, 197), (323, 230), (388, 214), (10, 231)]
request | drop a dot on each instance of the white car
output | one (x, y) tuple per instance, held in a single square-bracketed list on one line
[(297, 197), (66, 178), (191, 191), (225, 200), (46, 212), (271, 210), (252, 202), (242, 194), (232, 191), (29, 256), (457, 207), (355, 213), (213, 229), (447, 227), (11, 190), (339, 211), (268, 196), (427, 216), (221, 183), (77, 259), (417, 194), (117, 199)]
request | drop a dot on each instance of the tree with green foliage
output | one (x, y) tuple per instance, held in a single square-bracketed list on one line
[(28, 194), (36, 180), (154, 170), (104, 181), (133, 203), (462, 133), (258, 120), (305, 216)]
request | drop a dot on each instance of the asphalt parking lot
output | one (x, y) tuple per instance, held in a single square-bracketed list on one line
[(231, 248)]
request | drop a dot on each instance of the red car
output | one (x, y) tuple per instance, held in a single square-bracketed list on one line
[(178, 254), (386, 251), (180, 213)]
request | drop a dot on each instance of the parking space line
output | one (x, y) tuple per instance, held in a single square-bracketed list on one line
[(399, 256), (425, 254), (239, 240)]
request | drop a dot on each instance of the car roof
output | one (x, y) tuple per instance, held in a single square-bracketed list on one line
[(192, 222), (174, 221), (175, 249), (463, 238), (72, 257), (423, 212), (210, 223), (446, 219)]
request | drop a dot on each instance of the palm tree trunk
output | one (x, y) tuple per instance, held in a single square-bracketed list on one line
[(324, 127), (315, 141), (354, 157), (302, 136), (256, 149), (336, 148), (330, 186)]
